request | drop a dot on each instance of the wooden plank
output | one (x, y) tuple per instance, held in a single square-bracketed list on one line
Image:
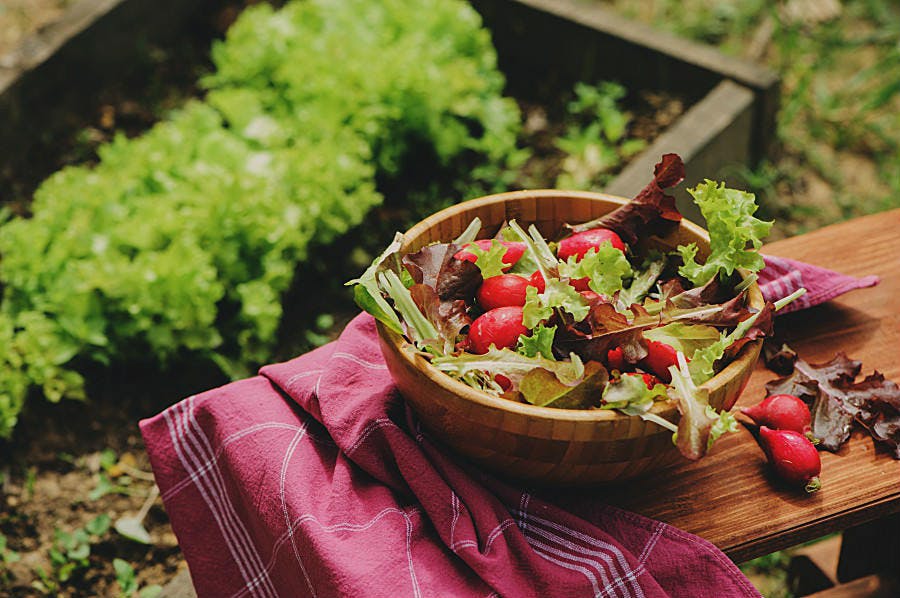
[(712, 133), (729, 497)]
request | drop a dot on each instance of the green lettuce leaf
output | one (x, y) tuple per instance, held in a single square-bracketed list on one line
[(703, 361), (511, 364), (641, 284), (490, 262), (542, 388), (540, 342), (687, 338), (367, 293), (536, 249), (418, 327), (630, 394), (698, 419), (606, 268), (557, 294), (732, 227)]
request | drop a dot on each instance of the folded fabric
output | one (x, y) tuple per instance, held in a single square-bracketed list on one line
[(313, 479), (782, 276)]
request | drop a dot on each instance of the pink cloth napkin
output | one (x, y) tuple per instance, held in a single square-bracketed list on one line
[(783, 276), (313, 479)]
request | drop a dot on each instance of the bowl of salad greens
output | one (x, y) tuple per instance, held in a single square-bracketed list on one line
[(571, 337)]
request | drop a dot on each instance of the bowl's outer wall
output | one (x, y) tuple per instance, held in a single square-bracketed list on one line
[(544, 445)]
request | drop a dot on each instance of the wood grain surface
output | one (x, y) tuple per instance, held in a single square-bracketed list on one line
[(729, 497)]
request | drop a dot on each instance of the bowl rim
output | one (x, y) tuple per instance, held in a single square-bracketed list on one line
[(663, 409)]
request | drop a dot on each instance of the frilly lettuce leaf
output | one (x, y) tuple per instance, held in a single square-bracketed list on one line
[(701, 367), (539, 342), (490, 262), (630, 394), (700, 424), (605, 267), (510, 364), (557, 294), (641, 284), (732, 227)]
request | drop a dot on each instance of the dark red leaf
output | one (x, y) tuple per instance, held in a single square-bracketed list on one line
[(651, 212), (779, 359), (448, 316), (435, 266)]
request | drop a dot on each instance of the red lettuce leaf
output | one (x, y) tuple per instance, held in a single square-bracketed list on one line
[(435, 266), (651, 212), (837, 399), (449, 316)]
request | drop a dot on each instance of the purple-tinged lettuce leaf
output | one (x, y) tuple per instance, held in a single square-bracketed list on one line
[(837, 399), (886, 428), (779, 358), (699, 425), (606, 329), (448, 317), (417, 327), (543, 388), (651, 212), (539, 342), (435, 266)]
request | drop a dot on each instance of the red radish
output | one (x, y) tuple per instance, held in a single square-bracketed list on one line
[(514, 250), (616, 359), (781, 412), (504, 382), (580, 243), (659, 357), (500, 327), (502, 291), (649, 379), (793, 457), (537, 280)]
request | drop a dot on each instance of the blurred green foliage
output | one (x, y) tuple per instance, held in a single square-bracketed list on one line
[(184, 240)]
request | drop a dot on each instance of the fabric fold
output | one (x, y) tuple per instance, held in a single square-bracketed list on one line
[(314, 479)]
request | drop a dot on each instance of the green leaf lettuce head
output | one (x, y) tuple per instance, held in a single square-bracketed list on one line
[(732, 228)]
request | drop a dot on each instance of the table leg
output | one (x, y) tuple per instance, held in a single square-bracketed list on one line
[(872, 547)]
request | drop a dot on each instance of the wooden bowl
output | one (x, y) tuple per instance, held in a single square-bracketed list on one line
[(542, 444)]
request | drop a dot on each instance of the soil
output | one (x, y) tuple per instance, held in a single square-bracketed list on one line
[(54, 461)]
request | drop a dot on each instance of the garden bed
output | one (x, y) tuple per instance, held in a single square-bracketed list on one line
[(680, 101)]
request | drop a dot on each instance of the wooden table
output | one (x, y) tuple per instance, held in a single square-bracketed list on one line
[(728, 497)]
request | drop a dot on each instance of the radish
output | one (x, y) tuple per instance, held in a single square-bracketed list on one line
[(500, 327), (793, 457), (660, 357), (514, 251), (649, 379), (537, 280), (781, 412), (580, 243), (616, 359), (502, 291)]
